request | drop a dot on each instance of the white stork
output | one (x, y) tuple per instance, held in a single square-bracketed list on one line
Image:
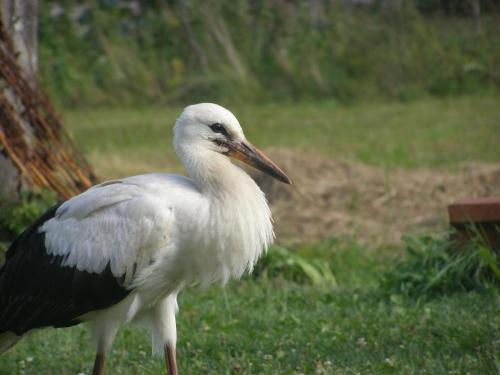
[(122, 250)]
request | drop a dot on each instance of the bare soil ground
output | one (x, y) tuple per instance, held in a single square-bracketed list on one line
[(376, 206)]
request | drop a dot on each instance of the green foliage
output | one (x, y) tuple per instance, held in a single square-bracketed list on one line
[(3, 249), (457, 7), (284, 263), (435, 266), (259, 51), (268, 327), (31, 205), (431, 266)]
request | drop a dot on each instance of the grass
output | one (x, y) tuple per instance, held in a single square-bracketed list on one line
[(434, 266), (266, 328), (169, 53), (274, 326), (338, 333), (426, 133)]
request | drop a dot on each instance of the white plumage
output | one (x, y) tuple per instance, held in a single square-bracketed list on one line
[(160, 232)]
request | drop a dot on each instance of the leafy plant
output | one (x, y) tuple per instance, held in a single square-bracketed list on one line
[(281, 262), (435, 265), (101, 53), (31, 205)]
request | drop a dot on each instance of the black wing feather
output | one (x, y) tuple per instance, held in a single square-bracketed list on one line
[(37, 291)]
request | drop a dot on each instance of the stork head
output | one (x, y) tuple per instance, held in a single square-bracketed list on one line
[(211, 128)]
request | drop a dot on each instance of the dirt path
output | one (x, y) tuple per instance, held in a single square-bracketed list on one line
[(340, 198)]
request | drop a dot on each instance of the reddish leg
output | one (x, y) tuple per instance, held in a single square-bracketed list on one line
[(170, 360), (98, 364)]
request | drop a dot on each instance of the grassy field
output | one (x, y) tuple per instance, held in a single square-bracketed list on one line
[(264, 328), (276, 326), (425, 133)]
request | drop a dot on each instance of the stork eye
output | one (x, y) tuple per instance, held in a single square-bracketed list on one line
[(219, 128)]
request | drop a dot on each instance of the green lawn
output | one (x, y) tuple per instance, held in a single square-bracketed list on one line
[(265, 329), (425, 133), (274, 326)]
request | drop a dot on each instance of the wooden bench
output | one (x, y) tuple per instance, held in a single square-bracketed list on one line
[(477, 215)]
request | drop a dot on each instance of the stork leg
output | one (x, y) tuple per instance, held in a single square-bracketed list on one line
[(104, 326), (170, 360), (98, 364), (163, 330)]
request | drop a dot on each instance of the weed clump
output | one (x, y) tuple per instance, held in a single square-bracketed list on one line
[(280, 262), (16, 218), (434, 266)]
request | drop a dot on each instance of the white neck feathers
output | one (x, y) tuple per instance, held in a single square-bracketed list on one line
[(239, 217)]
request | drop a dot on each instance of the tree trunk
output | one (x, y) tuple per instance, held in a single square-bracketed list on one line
[(35, 151), (20, 19)]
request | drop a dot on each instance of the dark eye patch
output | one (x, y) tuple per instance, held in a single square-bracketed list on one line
[(219, 128)]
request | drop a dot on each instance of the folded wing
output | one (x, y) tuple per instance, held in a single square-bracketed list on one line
[(81, 256)]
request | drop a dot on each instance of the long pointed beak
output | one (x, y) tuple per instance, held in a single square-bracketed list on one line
[(252, 156)]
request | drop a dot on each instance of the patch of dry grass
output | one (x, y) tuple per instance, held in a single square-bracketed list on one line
[(427, 133)]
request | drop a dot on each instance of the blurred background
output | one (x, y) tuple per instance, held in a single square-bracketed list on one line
[(98, 53), (383, 112)]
